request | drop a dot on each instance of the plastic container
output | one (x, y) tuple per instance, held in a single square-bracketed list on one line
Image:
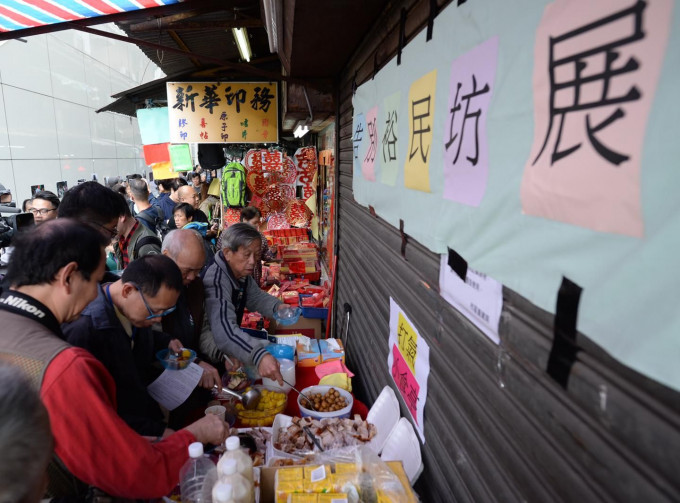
[(313, 312), (170, 361), (281, 351), (288, 316), (341, 413), (288, 373), (266, 412), (244, 463), (222, 493), (197, 477), (242, 490)]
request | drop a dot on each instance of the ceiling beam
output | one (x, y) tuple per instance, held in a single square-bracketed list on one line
[(180, 43), (195, 26), (164, 21)]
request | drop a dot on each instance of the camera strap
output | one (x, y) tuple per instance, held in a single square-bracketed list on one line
[(24, 305)]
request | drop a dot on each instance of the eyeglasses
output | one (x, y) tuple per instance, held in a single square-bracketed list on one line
[(152, 315), (42, 211), (187, 270), (111, 232)]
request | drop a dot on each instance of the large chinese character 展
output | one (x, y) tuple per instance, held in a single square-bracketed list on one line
[(595, 72), (421, 118), (466, 161)]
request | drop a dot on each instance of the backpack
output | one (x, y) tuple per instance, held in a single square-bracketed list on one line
[(152, 223), (234, 185), (142, 242)]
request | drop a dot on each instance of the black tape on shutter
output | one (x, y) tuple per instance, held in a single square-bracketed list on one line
[(402, 35), (564, 348), (434, 10), (458, 264)]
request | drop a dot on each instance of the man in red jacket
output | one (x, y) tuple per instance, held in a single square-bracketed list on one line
[(54, 273)]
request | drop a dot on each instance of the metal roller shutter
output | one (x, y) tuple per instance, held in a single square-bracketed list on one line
[(497, 427)]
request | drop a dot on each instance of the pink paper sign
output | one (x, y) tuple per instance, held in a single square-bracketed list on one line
[(596, 68), (368, 163), (466, 158), (406, 382)]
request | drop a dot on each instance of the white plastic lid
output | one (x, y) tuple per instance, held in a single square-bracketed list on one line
[(223, 492), (196, 450), (233, 443), (229, 466)]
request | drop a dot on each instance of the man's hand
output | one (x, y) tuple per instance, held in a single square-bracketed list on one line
[(210, 429), (175, 345), (231, 364), (210, 376), (269, 367)]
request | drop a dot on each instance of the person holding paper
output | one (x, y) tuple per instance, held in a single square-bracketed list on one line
[(53, 274), (229, 289)]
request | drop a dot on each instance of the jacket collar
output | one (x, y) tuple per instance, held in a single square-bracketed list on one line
[(222, 263), (101, 311)]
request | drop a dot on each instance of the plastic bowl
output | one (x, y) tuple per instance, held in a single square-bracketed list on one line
[(341, 413), (281, 351), (170, 361), (273, 402), (288, 317)]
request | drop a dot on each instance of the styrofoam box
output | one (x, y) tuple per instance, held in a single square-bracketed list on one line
[(403, 445), (384, 415)]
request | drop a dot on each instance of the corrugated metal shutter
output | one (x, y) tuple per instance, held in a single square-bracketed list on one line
[(497, 427)]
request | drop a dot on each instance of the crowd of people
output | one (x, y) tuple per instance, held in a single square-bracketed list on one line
[(106, 278)]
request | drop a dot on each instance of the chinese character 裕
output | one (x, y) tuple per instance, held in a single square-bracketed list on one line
[(390, 137), (571, 71), (468, 115)]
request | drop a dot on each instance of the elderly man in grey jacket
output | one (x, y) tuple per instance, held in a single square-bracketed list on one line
[(229, 289)]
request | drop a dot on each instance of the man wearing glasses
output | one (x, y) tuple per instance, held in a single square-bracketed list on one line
[(116, 329), (44, 206)]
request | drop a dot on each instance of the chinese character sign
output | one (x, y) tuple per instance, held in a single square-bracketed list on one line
[(408, 361), (466, 158), (223, 112), (596, 68), (420, 122), (387, 143), (358, 132), (368, 163)]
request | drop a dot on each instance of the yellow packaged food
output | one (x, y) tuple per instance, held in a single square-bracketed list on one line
[(342, 468), (332, 498), (294, 473), (342, 481), (318, 479), (302, 498)]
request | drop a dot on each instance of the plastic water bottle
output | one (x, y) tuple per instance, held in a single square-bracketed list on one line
[(197, 476), (242, 490), (222, 493), (244, 464)]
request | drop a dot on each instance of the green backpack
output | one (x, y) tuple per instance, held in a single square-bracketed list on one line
[(234, 185)]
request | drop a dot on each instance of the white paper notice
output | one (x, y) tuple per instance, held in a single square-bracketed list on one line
[(408, 362), (173, 387), (479, 298)]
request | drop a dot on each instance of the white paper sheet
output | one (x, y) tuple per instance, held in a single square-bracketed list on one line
[(173, 387), (479, 298), (408, 362)]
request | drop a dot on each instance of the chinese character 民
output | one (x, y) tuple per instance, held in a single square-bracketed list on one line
[(424, 112), (237, 97), (262, 99), (210, 98), (389, 140), (596, 65), (185, 99), (358, 136), (468, 115), (370, 155)]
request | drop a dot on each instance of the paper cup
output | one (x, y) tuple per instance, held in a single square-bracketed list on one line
[(218, 410)]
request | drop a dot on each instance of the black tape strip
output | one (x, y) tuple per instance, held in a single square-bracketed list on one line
[(434, 10), (404, 239), (458, 264), (354, 84), (375, 64), (461, 2), (564, 348), (402, 35)]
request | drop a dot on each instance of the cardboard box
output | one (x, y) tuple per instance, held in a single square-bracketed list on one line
[(328, 351), (309, 327), (308, 356), (268, 476)]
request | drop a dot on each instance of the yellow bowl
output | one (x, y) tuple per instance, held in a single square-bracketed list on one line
[(273, 402)]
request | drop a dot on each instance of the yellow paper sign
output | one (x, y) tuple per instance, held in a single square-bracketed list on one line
[(223, 112), (163, 171), (407, 340), (420, 120)]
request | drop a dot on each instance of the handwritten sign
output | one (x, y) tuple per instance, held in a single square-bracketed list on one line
[(223, 112), (420, 123), (368, 163), (479, 298), (408, 361), (387, 153), (180, 157)]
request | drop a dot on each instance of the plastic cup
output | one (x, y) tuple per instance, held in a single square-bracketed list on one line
[(218, 410)]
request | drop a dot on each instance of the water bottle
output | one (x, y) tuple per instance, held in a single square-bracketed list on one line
[(197, 476), (242, 490), (222, 493), (244, 462)]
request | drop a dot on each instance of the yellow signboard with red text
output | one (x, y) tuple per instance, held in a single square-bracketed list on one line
[(223, 112)]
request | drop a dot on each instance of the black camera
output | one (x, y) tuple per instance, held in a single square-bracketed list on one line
[(15, 222)]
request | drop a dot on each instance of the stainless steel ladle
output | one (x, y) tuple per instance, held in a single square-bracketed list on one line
[(249, 399)]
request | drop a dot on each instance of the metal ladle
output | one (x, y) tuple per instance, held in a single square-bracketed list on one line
[(310, 404), (249, 399)]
